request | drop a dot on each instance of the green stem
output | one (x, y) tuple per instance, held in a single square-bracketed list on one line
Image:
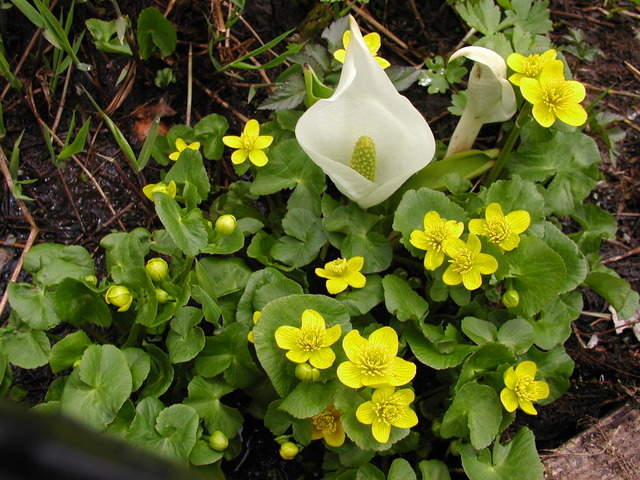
[(514, 134)]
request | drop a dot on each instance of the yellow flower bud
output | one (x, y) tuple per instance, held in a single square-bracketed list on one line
[(511, 298), (91, 279), (226, 224), (307, 373), (119, 296), (162, 296), (218, 441), (157, 269), (288, 450)]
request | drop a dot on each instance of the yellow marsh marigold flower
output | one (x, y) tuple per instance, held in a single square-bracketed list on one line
[(501, 229), (554, 97), (436, 230), (530, 66), (311, 342), (467, 263), (327, 425), (181, 145), (522, 389), (161, 187), (373, 362), (387, 408), (371, 40), (249, 144), (119, 296), (342, 273)]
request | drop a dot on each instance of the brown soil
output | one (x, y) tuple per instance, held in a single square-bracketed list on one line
[(70, 208)]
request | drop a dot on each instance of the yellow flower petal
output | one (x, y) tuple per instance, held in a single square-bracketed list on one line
[(349, 374), (382, 62), (473, 244), (340, 55), (477, 226), (354, 345), (322, 358), (574, 115), (542, 390), (239, 156), (531, 90), (180, 144), (543, 115), (356, 280), (406, 419), (365, 413), (373, 42), (387, 338), (263, 142), (517, 62), (336, 438), (403, 397), (433, 259), (510, 242), (527, 406), (332, 335), (336, 285), (403, 372), (381, 431), (486, 264), (526, 368), (519, 221), (232, 141), (174, 156), (287, 336), (451, 277), (355, 264), (252, 128), (472, 279), (509, 399), (510, 378), (312, 320), (493, 211), (298, 355), (258, 157)]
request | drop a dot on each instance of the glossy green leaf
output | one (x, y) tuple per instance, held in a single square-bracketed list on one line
[(78, 304), (185, 339), (402, 301), (160, 374), (34, 305), (68, 350), (24, 347), (204, 397), (154, 30), (98, 387), (475, 413), (189, 172), (50, 263), (303, 241), (308, 398), (186, 228), (139, 363)]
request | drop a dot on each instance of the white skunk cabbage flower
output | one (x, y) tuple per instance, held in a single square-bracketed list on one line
[(490, 96), (366, 137)]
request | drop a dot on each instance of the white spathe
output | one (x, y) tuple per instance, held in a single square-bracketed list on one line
[(490, 96), (366, 103)]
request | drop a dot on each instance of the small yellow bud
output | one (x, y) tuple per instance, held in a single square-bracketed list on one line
[(218, 441), (91, 279), (250, 337), (162, 296), (157, 269), (76, 364), (162, 187), (119, 296), (226, 224), (511, 298), (289, 450), (307, 373)]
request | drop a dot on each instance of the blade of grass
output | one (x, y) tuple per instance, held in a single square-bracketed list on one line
[(145, 153)]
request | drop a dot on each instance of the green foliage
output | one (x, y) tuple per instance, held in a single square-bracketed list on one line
[(438, 76), (196, 350)]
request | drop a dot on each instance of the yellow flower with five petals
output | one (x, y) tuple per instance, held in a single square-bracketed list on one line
[(554, 97), (342, 273), (181, 145), (503, 230), (522, 389), (373, 362), (371, 40), (436, 230), (530, 66), (249, 145), (327, 425), (387, 408), (467, 264), (311, 342)]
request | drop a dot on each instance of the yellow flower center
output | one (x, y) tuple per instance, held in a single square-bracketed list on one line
[(247, 143), (532, 66), (325, 422), (386, 412), (436, 236), (374, 362), (498, 229), (554, 94), (463, 263), (311, 339), (338, 266), (526, 388)]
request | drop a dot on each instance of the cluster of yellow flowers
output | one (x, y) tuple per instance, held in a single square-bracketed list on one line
[(373, 362), (441, 238), (542, 83)]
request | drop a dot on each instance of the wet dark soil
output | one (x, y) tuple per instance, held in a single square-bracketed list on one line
[(87, 197)]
